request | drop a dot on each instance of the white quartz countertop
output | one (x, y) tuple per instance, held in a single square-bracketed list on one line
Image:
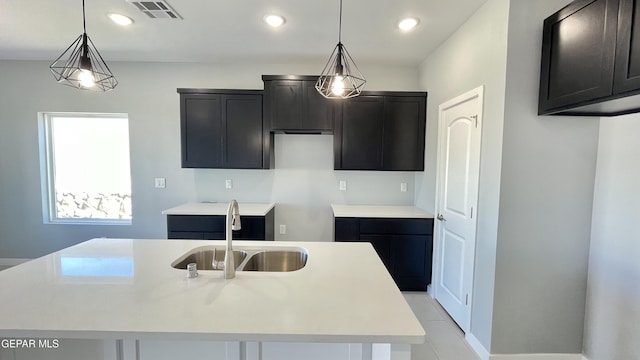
[(124, 288), (215, 208), (380, 211)]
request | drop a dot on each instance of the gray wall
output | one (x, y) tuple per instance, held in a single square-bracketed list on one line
[(303, 183), (612, 328), (547, 181), (475, 55), (536, 182)]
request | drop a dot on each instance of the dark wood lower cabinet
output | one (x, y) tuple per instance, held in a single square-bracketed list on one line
[(212, 227), (405, 246)]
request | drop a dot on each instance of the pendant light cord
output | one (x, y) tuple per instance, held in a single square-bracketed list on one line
[(84, 20), (339, 26)]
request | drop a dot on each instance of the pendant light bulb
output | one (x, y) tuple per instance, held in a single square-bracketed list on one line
[(337, 88), (86, 79)]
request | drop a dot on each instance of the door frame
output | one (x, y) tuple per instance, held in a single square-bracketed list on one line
[(437, 240)]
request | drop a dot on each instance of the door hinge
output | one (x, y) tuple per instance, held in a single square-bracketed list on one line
[(475, 117), (466, 301)]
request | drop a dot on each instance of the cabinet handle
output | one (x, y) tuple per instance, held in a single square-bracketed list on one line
[(441, 218)]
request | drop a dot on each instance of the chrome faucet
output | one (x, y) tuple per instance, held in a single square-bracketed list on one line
[(233, 223)]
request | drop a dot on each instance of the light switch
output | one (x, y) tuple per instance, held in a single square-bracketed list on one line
[(403, 187), (343, 185), (228, 184), (283, 229), (160, 183)]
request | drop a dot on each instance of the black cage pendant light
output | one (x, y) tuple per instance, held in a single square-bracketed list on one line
[(341, 78), (81, 65)]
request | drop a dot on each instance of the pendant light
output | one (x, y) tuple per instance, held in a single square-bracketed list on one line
[(341, 78), (81, 65)]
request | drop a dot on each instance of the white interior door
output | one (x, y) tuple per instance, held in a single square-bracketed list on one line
[(459, 136)]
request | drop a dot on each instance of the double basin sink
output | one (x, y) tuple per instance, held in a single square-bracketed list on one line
[(279, 259)]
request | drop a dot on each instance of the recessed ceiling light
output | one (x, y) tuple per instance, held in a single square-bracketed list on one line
[(274, 20), (120, 19), (408, 24)]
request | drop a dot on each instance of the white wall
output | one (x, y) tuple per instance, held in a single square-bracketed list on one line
[(475, 55), (147, 92), (612, 328), (547, 180)]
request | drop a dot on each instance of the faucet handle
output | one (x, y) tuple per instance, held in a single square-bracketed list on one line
[(215, 263)]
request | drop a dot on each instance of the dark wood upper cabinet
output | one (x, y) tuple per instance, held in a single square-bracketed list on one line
[(591, 59), (381, 131), (200, 130), (243, 131), (359, 134), (221, 128), (292, 105), (627, 67), (404, 132), (318, 113), (578, 47)]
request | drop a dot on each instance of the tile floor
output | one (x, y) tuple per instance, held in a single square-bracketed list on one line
[(445, 340)]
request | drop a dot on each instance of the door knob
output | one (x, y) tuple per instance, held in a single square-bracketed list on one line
[(441, 218)]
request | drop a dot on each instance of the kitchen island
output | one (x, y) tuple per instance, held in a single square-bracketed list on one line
[(124, 294)]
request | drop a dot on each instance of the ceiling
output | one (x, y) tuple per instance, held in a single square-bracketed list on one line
[(233, 30)]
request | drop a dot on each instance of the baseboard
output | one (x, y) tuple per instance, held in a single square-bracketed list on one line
[(484, 354), (475, 344), (537, 357), (12, 261)]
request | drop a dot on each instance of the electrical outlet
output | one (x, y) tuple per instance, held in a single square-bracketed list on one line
[(228, 184), (343, 185), (160, 183), (403, 187), (283, 229)]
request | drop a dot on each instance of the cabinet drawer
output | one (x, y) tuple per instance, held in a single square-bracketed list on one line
[(203, 223), (213, 227), (396, 226), (186, 235)]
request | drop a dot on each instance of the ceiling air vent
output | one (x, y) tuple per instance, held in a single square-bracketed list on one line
[(156, 9)]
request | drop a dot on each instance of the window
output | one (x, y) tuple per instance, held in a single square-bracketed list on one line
[(85, 168)]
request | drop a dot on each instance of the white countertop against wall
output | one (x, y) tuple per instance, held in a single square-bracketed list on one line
[(219, 208), (126, 289), (380, 211)]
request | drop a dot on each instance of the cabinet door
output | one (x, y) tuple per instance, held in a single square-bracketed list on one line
[(285, 104), (184, 349), (201, 130), (60, 349), (578, 49), (243, 131), (411, 258), (317, 111), (383, 246), (404, 132), (359, 134), (627, 70), (346, 229)]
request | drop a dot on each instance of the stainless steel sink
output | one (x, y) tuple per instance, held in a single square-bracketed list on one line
[(203, 257), (276, 261), (272, 259)]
